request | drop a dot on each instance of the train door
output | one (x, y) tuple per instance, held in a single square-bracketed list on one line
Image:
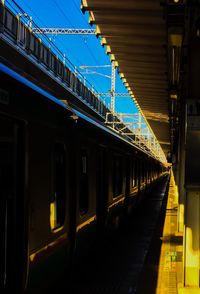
[(101, 190), (13, 247)]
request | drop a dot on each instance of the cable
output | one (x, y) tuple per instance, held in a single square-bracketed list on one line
[(56, 49), (84, 40), (62, 12), (78, 9), (65, 16), (44, 36)]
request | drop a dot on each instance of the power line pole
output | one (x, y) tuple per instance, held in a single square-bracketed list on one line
[(113, 88), (112, 92)]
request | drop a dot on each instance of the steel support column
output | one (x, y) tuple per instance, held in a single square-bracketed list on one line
[(181, 178), (192, 171)]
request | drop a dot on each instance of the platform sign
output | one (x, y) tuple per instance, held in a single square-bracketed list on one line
[(193, 114)]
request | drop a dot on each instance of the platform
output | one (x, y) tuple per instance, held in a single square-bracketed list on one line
[(145, 256), (115, 266), (163, 270)]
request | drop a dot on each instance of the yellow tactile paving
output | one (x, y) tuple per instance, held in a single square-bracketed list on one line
[(169, 271)]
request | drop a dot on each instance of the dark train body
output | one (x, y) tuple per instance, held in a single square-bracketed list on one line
[(64, 183)]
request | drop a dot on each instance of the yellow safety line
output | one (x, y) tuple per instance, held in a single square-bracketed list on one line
[(169, 263)]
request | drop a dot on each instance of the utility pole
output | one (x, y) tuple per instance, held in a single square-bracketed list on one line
[(112, 92), (113, 88)]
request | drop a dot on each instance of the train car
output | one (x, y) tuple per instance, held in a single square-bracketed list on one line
[(65, 181)]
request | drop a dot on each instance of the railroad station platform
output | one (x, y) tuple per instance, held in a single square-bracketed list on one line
[(145, 256), (116, 266), (162, 273)]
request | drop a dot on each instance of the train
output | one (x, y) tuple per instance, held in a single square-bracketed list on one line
[(66, 180)]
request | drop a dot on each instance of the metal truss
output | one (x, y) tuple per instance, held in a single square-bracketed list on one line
[(116, 94), (63, 31)]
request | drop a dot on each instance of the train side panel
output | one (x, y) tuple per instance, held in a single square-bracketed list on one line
[(49, 203)]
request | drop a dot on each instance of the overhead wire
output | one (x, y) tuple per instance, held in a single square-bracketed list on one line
[(96, 61), (66, 17), (41, 22), (74, 2), (48, 40), (44, 36), (83, 38), (104, 70)]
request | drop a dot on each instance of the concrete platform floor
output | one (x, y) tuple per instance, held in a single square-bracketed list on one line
[(162, 273)]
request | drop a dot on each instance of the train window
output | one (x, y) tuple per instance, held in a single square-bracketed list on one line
[(117, 176), (84, 188), (134, 173), (142, 172), (58, 201)]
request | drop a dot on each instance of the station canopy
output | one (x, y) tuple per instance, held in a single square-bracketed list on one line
[(135, 36)]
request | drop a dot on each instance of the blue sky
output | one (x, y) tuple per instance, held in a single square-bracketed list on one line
[(79, 49)]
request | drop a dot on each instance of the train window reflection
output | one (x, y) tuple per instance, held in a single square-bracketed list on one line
[(83, 193), (117, 176), (134, 173), (57, 204)]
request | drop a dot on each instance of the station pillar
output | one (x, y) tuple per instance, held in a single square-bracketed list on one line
[(181, 167), (192, 171)]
